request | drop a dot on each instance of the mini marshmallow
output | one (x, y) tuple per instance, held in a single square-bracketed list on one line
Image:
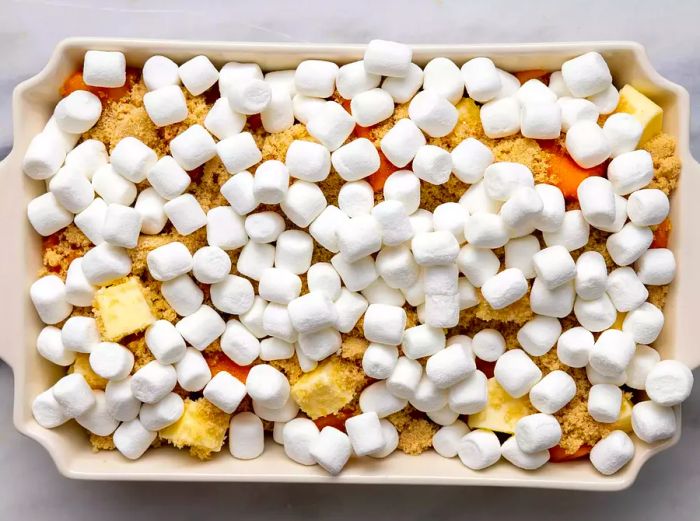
[(105, 263), (222, 121), (305, 107), (402, 141), (249, 96), (309, 161), (285, 413), (488, 345), (279, 285), (377, 398), (587, 144), (512, 452), (503, 178), (440, 280), (349, 308), (519, 254), (574, 347), (390, 437), (423, 340), (165, 105), (305, 363), (596, 314), (193, 372), (234, 72), (79, 334), (331, 449), (500, 117), (422, 221), (356, 198), (554, 266), (443, 77), (392, 219), (246, 436), (149, 205), (403, 186), (669, 383), (441, 310), (169, 261), (111, 360), (534, 92), (78, 112), (225, 391), (356, 160), (277, 432), (48, 295), (509, 84), (271, 182), (225, 228), (254, 259), (540, 120), (47, 411), (644, 323), (293, 251), (165, 342), (298, 436), (553, 211), (625, 290), (405, 377), (505, 288), (323, 278), (479, 449), (379, 360), (591, 275), (478, 264), (432, 164), (156, 416), (371, 107), (46, 214), (604, 402), (553, 392), (521, 211), (44, 156), (435, 248), (182, 294), (539, 335), (276, 323), (264, 226), (87, 157), (469, 395), (586, 75), (557, 85), (50, 345), (120, 400), (315, 78), (622, 131), (68, 140), (331, 125), (446, 440), (267, 385), (432, 113), (238, 342), (652, 422), (73, 395), (596, 197), (631, 171), (365, 432), (353, 79), (324, 227), (210, 264), (198, 74), (644, 359), (379, 293), (357, 275), (574, 110), (121, 226), (572, 234), (612, 352), (516, 372), (557, 302), (233, 295), (237, 153), (303, 202), (482, 79), (656, 267), (404, 88), (595, 377), (386, 58), (470, 159), (312, 312), (606, 100), (537, 432), (202, 327), (132, 159), (450, 365), (104, 69), (193, 147), (132, 439), (648, 207), (168, 178), (384, 324), (451, 217), (427, 397), (185, 213), (159, 71)]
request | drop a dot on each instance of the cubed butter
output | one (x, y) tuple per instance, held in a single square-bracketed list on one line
[(326, 389), (122, 309), (648, 113), (202, 427), (619, 320), (82, 366), (624, 422), (502, 411)]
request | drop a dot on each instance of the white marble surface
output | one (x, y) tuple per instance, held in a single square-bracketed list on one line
[(31, 487)]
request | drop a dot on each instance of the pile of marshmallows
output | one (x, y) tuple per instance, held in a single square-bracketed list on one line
[(385, 255)]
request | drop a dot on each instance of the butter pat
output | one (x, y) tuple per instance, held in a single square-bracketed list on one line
[(122, 310), (502, 411), (648, 113), (202, 427), (624, 421), (326, 389)]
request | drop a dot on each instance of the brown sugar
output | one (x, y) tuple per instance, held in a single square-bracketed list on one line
[(667, 165), (415, 431)]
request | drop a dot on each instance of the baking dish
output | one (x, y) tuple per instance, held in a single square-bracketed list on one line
[(33, 104)]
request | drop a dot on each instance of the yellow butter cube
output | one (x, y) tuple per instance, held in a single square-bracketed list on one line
[(624, 421), (202, 427), (502, 411), (326, 389), (122, 309), (82, 366), (648, 113)]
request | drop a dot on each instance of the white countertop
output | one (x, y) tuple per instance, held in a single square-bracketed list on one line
[(667, 487)]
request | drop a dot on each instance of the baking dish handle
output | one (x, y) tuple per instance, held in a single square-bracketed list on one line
[(8, 345)]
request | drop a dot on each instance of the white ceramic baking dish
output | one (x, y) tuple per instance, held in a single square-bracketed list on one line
[(33, 103)]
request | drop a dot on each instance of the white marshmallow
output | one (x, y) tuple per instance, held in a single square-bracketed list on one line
[(168, 178), (48, 295), (652, 422), (225, 391), (587, 144), (222, 121), (596, 314), (185, 213), (516, 372), (432, 113), (392, 219), (500, 117), (644, 323), (324, 227), (443, 77), (159, 71), (254, 259), (470, 159), (595, 378), (479, 449), (488, 345), (365, 432), (404, 378), (503, 178), (597, 200), (50, 345), (384, 324), (451, 217), (404, 88), (249, 96), (509, 84), (46, 214), (574, 110), (477, 264), (644, 359), (519, 254), (238, 342), (535, 91), (79, 334), (626, 290), (403, 186), (540, 120), (435, 248), (572, 234), (656, 267), (446, 440), (237, 153), (586, 75), (210, 264), (522, 211), (202, 327), (432, 164), (165, 342), (557, 85), (604, 402), (379, 360), (319, 345), (402, 141), (387, 58), (276, 323), (246, 436), (68, 140), (193, 147), (606, 100), (553, 392), (450, 365), (198, 74), (235, 72), (156, 416), (150, 205), (132, 159), (89, 221), (73, 395), (591, 275), (512, 452), (47, 411), (264, 226), (323, 278), (557, 302), (422, 221), (505, 288), (349, 308), (104, 69), (377, 398), (356, 160), (183, 295), (303, 202), (165, 105), (298, 436), (267, 385), (331, 449), (78, 112), (440, 280), (277, 432), (312, 312), (669, 383), (132, 439), (648, 207), (379, 293), (537, 432), (539, 335), (574, 347), (482, 79), (305, 107), (193, 372), (331, 125), (371, 107), (87, 157), (427, 397), (169, 261), (622, 131), (309, 161), (352, 79), (285, 413), (554, 266), (294, 250), (225, 228), (469, 395), (357, 275), (421, 341), (612, 352), (390, 438), (121, 226), (553, 210), (279, 285), (271, 182), (315, 78), (120, 400), (111, 360), (233, 295), (631, 171), (44, 156), (441, 310)]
